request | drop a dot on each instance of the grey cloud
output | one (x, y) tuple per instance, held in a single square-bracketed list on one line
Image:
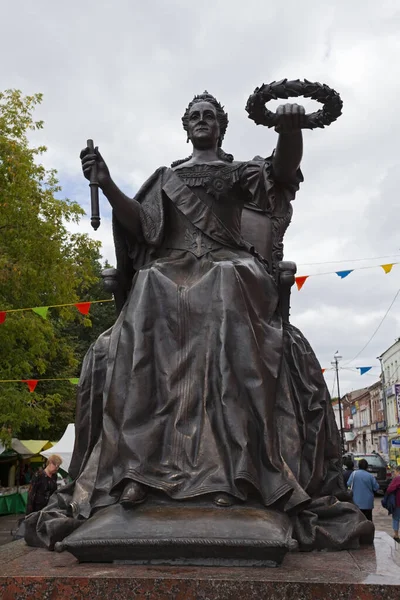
[(123, 73)]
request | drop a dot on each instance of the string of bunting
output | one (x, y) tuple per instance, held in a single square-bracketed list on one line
[(301, 279), (82, 307), (32, 383), (362, 370)]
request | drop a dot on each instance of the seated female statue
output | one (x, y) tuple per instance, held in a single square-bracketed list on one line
[(200, 389)]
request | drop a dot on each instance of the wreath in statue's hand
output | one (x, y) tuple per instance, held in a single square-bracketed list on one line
[(331, 100)]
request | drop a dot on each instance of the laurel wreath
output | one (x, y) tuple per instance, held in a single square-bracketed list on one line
[(331, 100)]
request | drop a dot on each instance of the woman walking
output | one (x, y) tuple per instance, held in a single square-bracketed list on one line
[(394, 488), (363, 485)]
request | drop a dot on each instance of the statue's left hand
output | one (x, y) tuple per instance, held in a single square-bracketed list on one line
[(291, 118)]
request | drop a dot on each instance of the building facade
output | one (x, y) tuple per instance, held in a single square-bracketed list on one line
[(390, 364), (378, 419)]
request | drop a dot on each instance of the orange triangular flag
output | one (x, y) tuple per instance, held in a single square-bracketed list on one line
[(300, 281), (31, 383), (83, 307), (387, 268), (323, 370)]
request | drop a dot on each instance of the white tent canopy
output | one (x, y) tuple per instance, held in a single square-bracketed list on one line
[(64, 447)]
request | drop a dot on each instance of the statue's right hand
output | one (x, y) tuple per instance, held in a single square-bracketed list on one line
[(88, 159)]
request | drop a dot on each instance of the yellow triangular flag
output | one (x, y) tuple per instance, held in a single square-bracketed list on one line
[(387, 268)]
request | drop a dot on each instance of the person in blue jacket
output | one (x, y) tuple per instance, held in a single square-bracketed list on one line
[(363, 484)]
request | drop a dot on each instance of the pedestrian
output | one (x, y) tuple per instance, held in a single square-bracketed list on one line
[(363, 486), (394, 488), (349, 464), (43, 485)]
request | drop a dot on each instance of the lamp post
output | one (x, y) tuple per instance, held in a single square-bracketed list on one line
[(335, 363)]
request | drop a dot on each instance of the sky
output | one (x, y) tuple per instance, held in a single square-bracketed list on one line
[(122, 73)]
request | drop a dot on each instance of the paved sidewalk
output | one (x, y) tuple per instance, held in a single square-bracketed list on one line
[(7, 523), (383, 522)]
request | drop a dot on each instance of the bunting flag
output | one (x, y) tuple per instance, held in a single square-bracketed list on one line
[(363, 369), (31, 383), (323, 370), (41, 311), (387, 268), (3, 315), (83, 307), (343, 274), (300, 281), (74, 380)]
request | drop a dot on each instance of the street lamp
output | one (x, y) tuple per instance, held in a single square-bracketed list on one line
[(335, 363)]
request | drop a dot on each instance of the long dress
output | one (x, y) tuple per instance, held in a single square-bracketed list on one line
[(198, 388)]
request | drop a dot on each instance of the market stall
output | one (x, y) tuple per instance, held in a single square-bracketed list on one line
[(17, 465), (13, 501)]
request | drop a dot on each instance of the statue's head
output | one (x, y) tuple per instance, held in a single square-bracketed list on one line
[(205, 120), (205, 123)]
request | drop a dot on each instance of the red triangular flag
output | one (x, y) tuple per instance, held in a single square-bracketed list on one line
[(300, 281), (2, 316), (323, 370), (31, 383), (83, 307)]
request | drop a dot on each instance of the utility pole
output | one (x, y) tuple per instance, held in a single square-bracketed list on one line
[(335, 363), (384, 400)]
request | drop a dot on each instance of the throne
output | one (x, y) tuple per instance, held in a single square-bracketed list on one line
[(194, 532), (263, 232)]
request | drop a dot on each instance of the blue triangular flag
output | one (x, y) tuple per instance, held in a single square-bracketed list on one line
[(364, 370), (343, 274)]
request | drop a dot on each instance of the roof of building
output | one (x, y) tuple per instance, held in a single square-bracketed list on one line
[(375, 385), (390, 348), (355, 394)]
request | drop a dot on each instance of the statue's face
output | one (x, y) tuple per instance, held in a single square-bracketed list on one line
[(203, 126)]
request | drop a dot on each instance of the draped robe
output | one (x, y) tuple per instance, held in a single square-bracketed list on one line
[(199, 388)]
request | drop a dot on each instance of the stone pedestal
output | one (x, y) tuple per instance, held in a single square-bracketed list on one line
[(31, 573), (192, 534)]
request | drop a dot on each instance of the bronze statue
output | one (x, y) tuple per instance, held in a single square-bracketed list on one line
[(203, 397)]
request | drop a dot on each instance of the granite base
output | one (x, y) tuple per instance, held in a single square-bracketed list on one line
[(366, 574)]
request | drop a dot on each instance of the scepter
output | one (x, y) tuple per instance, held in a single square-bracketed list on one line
[(94, 191)]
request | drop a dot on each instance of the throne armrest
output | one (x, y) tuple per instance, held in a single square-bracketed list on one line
[(113, 282), (111, 279), (286, 278)]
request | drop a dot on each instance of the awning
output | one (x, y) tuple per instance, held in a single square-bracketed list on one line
[(20, 449), (36, 446), (28, 448)]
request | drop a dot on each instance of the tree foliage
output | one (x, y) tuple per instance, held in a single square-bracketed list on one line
[(41, 264)]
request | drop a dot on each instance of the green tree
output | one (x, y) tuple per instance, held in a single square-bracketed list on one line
[(41, 264), (81, 333)]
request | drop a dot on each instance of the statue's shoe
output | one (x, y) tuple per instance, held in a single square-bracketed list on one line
[(223, 500), (133, 493)]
